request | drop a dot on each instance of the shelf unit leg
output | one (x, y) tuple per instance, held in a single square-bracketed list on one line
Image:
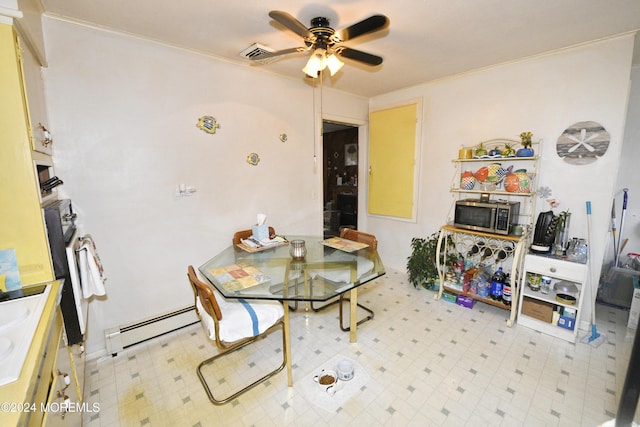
[(439, 267)]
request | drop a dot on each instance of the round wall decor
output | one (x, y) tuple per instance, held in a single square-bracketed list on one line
[(253, 159), (583, 143)]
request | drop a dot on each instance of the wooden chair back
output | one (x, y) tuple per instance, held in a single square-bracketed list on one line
[(359, 236), (204, 292)]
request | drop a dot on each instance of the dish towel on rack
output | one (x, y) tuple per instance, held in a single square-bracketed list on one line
[(91, 271)]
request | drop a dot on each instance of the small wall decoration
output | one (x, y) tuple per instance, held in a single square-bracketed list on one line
[(583, 143), (350, 155), (253, 159), (208, 124), (283, 137), (544, 192)]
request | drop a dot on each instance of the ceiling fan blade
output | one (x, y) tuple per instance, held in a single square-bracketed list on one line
[(291, 23), (269, 55), (366, 26), (358, 55)]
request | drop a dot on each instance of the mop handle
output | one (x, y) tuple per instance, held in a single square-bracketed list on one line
[(589, 206), (624, 198)]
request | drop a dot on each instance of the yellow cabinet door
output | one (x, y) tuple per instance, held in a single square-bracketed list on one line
[(21, 220)]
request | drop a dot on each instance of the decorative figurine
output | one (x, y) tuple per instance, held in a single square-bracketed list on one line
[(208, 124)]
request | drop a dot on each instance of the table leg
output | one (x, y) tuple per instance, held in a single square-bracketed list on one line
[(287, 341), (353, 321), (307, 290)]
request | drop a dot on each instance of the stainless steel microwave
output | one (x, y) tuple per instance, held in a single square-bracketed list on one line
[(496, 217)]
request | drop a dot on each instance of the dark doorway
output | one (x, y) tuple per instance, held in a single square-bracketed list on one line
[(340, 166)]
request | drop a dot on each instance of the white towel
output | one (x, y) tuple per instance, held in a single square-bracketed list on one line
[(91, 271)]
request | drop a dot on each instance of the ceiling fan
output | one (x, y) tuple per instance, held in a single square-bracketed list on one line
[(325, 43)]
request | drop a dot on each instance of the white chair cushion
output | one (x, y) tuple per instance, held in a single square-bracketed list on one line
[(241, 318), (344, 274)]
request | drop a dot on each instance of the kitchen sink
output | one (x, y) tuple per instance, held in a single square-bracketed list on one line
[(19, 318)]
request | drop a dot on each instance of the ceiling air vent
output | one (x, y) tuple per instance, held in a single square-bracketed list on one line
[(255, 50)]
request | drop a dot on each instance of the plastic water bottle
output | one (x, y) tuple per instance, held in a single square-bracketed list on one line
[(497, 283)]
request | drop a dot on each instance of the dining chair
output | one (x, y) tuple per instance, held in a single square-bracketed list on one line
[(362, 237), (233, 325), (244, 234)]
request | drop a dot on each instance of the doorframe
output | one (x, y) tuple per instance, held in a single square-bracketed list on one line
[(363, 160)]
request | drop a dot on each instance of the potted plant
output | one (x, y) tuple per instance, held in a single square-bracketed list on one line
[(526, 151), (480, 151), (508, 151), (421, 264)]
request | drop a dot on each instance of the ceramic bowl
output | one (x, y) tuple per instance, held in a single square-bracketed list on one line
[(345, 370)]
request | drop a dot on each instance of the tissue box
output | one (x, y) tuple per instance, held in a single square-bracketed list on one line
[(567, 322), (260, 232), (449, 297), (465, 301)]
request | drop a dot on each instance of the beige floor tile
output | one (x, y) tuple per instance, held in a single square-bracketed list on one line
[(431, 363)]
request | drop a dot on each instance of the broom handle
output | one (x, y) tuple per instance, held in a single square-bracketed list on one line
[(613, 229), (625, 198), (593, 292)]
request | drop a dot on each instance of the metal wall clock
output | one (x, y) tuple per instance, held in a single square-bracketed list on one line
[(583, 143)]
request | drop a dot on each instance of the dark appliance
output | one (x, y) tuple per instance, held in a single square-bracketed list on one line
[(545, 233), (348, 207), (60, 221), (489, 216)]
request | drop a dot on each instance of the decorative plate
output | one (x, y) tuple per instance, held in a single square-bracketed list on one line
[(583, 143), (208, 124)]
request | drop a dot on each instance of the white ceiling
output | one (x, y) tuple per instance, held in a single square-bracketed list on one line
[(426, 39)]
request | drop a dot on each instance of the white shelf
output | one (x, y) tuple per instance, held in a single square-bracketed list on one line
[(551, 296), (495, 159), (548, 328), (494, 192), (557, 270)]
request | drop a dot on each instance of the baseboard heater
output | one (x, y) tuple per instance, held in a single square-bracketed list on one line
[(119, 338)]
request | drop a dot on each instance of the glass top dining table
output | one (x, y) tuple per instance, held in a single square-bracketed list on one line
[(272, 274), (330, 268)]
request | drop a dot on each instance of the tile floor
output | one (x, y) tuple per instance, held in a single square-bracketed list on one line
[(429, 363)]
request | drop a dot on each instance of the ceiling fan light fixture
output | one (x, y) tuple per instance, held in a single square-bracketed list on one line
[(334, 64), (316, 63)]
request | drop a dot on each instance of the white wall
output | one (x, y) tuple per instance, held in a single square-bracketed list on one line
[(123, 113), (544, 95), (629, 178)]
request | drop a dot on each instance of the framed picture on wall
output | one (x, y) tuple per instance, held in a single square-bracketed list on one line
[(350, 154)]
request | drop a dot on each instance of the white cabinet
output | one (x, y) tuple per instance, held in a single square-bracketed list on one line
[(549, 313)]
